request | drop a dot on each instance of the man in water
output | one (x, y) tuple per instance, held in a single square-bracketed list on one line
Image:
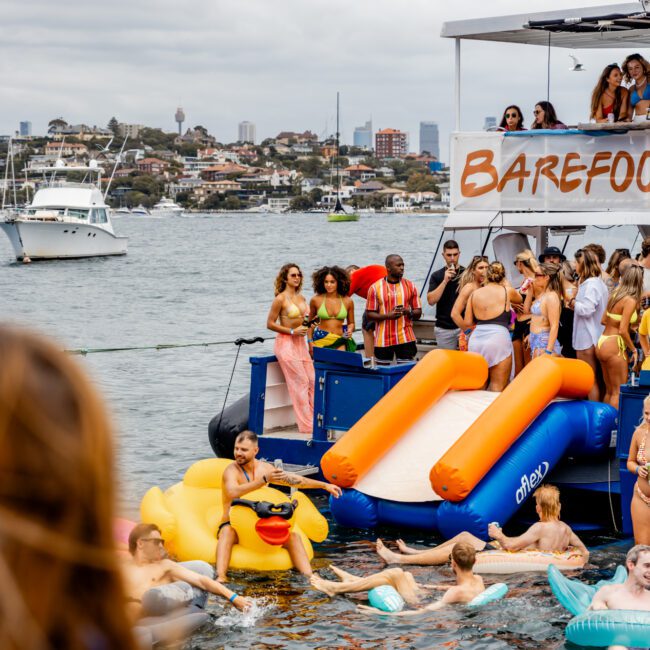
[(156, 585), (467, 587), (247, 474), (548, 534), (634, 593), (393, 304), (443, 291)]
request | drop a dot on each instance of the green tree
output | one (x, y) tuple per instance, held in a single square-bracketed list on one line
[(311, 167), (301, 203), (316, 195), (419, 182), (113, 125), (201, 129), (232, 203), (147, 185), (212, 202)]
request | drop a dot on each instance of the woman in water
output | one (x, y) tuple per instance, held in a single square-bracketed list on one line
[(527, 265), (59, 566), (287, 316), (615, 341), (512, 119), (545, 117), (489, 308), (638, 462), (545, 311), (636, 71), (472, 278), (588, 308), (609, 97), (334, 310)]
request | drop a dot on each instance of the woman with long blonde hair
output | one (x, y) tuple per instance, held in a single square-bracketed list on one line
[(59, 567), (636, 71), (609, 97), (545, 311), (472, 278), (615, 341), (527, 265)]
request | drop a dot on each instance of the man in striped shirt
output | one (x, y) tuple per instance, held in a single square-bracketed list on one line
[(393, 304)]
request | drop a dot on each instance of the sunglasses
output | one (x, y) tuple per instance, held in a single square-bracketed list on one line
[(537, 111), (295, 275), (476, 258), (155, 540), (540, 275), (509, 115)]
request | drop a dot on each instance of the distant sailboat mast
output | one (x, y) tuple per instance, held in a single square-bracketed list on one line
[(338, 207)]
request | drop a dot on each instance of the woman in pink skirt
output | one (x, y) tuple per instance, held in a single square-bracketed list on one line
[(287, 316)]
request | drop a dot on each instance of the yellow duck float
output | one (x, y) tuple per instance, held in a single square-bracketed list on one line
[(188, 515)]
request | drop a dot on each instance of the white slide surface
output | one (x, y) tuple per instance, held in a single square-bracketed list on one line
[(403, 473)]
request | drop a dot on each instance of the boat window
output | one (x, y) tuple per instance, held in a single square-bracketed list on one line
[(98, 215), (77, 213)]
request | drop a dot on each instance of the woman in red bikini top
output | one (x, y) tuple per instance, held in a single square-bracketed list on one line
[(609, 97), (637, 463)]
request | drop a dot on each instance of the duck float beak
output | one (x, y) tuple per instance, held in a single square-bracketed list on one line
[(273, 530)]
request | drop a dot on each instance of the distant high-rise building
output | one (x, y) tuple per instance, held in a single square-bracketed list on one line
[(363, 136), (25, 129), (429, 139), (490, 123), (246, 132), (391, 143), (180, 118)]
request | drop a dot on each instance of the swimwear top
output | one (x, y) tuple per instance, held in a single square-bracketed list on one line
[(608, 109), (634, 96), (618, 317), (536, 308), (323, 314), (293, 311), (502, 319)]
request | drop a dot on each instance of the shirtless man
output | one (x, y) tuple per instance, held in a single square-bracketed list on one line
[(548, 534), (247, 474), (634, 593), (148, 568), (467, 586)]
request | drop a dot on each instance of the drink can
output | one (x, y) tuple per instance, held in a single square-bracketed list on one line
[(494, 523), (611, 119), (345, 331)]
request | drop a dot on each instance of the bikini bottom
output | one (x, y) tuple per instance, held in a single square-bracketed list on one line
[(619, 341), (539, 340), (644, 498)]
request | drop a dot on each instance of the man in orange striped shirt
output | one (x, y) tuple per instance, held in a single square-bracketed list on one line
[(394, 303)]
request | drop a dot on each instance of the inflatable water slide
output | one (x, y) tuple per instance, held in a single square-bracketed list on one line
[(439, 453)]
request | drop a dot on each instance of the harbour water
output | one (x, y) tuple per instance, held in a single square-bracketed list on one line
[(206, 278)]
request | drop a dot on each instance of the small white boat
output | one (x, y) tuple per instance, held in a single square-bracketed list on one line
[(64, 220), (166, 208), (140, 211), (121, 212)]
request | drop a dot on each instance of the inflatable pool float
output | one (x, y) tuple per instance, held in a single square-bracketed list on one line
[(188, 515), (603, 627), (502, 562)]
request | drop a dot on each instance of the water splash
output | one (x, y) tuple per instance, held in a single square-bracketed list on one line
[(234, 618)]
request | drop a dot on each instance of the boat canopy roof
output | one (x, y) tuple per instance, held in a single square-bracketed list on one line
[(69, 196), (608, 26)]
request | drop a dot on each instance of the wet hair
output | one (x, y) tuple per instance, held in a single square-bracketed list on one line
[(520, 121), (615, 259), (450, 244), (547, 497), (138, 532), (341, 277), (635, 57), (550, 116), (61, 572), (528, 259), (599, 250), (645, 247), (464, 555), (468, 274), (634, 553), (282, 277), (247, 435), (552, 271), (495, 273), (630, 285), (590, 265), (601, 86)]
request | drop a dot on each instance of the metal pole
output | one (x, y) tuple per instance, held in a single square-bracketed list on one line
[(457, 85)]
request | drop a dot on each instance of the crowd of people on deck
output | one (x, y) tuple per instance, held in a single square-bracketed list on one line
[(611, 101)]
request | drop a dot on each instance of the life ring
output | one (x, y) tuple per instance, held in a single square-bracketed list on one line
[(503, 562), (492, 593)]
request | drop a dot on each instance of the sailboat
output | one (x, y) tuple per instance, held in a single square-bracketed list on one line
[(339, 213)]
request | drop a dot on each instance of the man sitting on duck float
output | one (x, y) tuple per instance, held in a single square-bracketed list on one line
[(245, 475), (389, 590), (549, 536)]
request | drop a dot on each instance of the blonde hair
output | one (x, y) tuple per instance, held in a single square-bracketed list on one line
[(496, 273), (528, 259), (630, 285), (470, 270), (547, 497), (552, 271), (590, 264)]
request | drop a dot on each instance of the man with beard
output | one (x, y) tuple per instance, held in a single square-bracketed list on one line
[(247, 474)]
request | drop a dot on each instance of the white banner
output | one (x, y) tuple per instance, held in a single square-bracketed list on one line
[(561, 172)]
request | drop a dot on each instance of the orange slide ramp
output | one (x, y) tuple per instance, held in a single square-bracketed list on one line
[(472, 456), (386, 422)]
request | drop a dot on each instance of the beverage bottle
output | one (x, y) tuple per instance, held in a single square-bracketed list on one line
[(525, 285), (345, 331), (611, 119), (278, 464)]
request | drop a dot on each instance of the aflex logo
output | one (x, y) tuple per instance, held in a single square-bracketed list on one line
[(530, 482)]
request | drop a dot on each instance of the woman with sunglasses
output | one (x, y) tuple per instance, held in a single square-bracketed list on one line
[(545, 311), (636, 71), (489, 308), (471, 279), (287, 316), (615, 346), (527, 265), (588, 308), (545, 117), (512, 119), (609, 97)]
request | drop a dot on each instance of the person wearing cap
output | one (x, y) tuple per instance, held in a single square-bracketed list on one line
[(553, 255)]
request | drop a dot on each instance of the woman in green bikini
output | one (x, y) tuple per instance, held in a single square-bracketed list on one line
[(333, 309)]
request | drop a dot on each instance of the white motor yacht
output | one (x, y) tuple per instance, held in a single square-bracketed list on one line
[(121, 212), (166, 208), (64, 220), (140, 211)]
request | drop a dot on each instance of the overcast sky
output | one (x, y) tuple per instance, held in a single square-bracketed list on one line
[(277, 63)]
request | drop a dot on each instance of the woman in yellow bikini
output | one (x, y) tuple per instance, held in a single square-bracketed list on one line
[(637, 463), (333, 309), (615, 340)]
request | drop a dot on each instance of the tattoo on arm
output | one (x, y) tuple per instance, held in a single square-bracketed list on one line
[(292, 479)]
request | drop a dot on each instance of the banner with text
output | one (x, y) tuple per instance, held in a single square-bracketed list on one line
[(563, 172)]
